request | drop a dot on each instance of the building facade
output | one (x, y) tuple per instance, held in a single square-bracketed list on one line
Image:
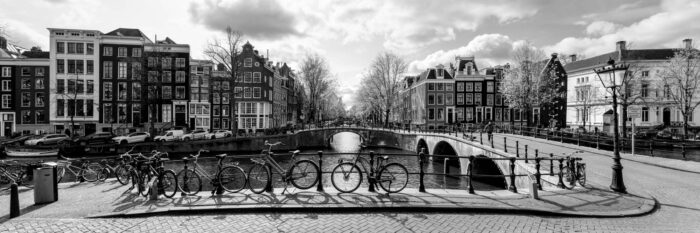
[(199, 113), (254, 87), (478, 97), (432, 99)]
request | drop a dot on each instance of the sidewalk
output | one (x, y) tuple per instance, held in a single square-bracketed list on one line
[(110, 199), (675, 164)]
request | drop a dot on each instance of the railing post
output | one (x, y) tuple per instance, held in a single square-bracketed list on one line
[(481, 137), (578, 139), (526, 153), (491, 139), (551, 164), (537, 153), (561, 136), (651, 148), (319, 188), (14, 200), (683, 150), (421, 162), (512, 187), (370, 179), (561, 167), (517, 149), (505, 144), (470, 174), (538, 175), (597, 141)]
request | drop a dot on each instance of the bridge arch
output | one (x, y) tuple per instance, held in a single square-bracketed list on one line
[(451, 166), (484, 165), (422, 144)]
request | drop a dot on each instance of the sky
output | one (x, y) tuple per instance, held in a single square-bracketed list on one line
[(349, 34)]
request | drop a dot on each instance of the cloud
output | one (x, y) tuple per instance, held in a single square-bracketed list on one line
[(599, 28), (676, 20), (24, 35), (487, 49), (264, 19)]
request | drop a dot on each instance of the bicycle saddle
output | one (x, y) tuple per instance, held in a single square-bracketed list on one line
[(221, 156), (384, 157), (294, 151)]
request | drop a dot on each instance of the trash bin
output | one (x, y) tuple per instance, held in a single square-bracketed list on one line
[(45, 185)]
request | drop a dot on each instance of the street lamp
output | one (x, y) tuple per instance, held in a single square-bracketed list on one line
[(618, 184)]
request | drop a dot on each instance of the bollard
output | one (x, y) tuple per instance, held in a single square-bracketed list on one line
[(421, 161), (651, 148), (537, 153), (683, 150), (469, 175), (597, 141), (319, 188), (578, 139), (14, 200), (517, 149), (505, 145), (512, 187), (551, 164), (154, 190), (561, 167), (533, 192), (538, 174), (491, 140), (561, 137), (526, 154), (370, 179), (481, 137)]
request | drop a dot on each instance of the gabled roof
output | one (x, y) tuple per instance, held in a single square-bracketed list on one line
[(625, 55), (12, 51), (131, 32), (166, 41)]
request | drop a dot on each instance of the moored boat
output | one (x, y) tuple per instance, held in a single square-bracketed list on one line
[(30, 152)]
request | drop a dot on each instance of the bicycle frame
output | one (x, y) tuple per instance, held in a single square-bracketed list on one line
[(362, 161), (69, 167)]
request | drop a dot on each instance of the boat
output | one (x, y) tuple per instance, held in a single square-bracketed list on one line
[(30, 152)]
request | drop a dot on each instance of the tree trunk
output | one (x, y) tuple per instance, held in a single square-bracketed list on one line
[(685, 127), (386, 118), (624, 120)]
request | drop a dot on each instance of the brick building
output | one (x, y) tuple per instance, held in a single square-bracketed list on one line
[(199, 113)]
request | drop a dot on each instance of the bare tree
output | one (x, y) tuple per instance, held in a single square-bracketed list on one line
[(680, 83), (384, 79), (316, 77), (586, 97), (151, 70), (227, 50), (631, 92)]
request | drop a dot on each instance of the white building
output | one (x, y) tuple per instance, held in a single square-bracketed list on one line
[(73, 79), (588, 100)]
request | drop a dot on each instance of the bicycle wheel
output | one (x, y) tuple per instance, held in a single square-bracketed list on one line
[(90, 174), (582, 175), (232, 179), (122, 174), (104, 174), (393, 178), (144, 183), (189, 182), (135, 180), (168, 183), (346, 177), (258, 176), (568, 177), (304, 174), (60, 171)]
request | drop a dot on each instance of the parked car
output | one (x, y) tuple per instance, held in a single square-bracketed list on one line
[(132, 138), (18, 141), (664, 134), (170, 135), (101, 137), (195, 135), (47, 139), (219, 134)]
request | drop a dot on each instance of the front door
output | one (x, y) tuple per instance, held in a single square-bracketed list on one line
[(90, 129), (449, 116), (8, 129), (192, 121), (667, 117), (180, 115)]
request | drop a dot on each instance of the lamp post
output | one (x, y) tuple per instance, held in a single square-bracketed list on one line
[(618, 184)]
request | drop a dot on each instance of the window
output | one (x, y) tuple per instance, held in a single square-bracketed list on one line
[(60, 86), (247, 92), (60, 107), (216, 98), (6, 85), (645, 90), (448, 99), (121, 52), (26, 99), (238, 91), (107, 91), (90, 67), (256, 77), (431, 98), (440, 99), (107, 113), (121, 91), (71, 86), (225, 85), (431, 86), (90, 87), (79, 48), (180, 92), (256, 92), (60, 66), (26, 83), (136, 91), (477, 87), (440, 86), (7, 71), (499, 100), (645, 114), (167, 63), (645, 73), (460, 114), (224, 98), (107, 51), (180, 76), (431, 114), (477, 99), (80, 86), (6, 101), (152, 62), (26, 71), (180, 62), (26, 117), (106, 69), (469, 87), (167, 92), (489, 100), (498, 114), (136, 71), (40, 116), (90, 48), (248, 62), (460, 98), (448, 86), (440, 114), (121, 73), (460, 86), (75, 66), (489, 87), (247, 77), (167, 77), (71, 47), (80, 107), (152, 76), (468, 114), (136, 52), (60, 47)]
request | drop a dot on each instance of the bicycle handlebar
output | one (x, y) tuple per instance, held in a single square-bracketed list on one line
[(199, 153), (273, 144)]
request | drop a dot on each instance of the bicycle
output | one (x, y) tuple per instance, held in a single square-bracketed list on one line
[(347, 176), (85, 171), (303, 174), (12, 172), (227, 177), (152, 166), (121, 170), (573, 171)]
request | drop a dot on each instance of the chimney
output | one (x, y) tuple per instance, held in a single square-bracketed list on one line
[(572, 57), (688, 43), (3, 43), (554, 55), (255, 51), (621, 45)]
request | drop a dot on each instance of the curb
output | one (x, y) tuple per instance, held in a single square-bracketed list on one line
[(647, 207), (594, 151)]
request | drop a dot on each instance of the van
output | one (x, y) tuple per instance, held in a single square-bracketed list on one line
[(170, 135)]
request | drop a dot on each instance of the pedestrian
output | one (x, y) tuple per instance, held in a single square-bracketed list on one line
[(489, 130)]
